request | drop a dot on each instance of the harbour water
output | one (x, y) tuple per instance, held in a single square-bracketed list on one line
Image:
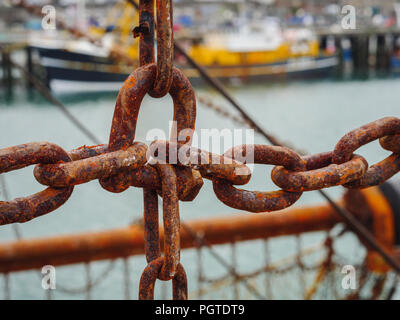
[(312, 115)]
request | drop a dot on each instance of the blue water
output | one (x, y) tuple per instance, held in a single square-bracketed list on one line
[(312, 115)]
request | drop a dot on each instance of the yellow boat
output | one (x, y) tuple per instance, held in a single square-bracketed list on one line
[(257, 50)]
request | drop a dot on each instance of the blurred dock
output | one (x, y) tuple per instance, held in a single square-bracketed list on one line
[(367, 48)]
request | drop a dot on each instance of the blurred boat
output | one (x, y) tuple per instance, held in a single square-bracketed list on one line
[(261, 50), (252, 51)]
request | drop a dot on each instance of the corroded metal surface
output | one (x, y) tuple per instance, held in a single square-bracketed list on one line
[(101, 162), (127, 110), (377, 173), (23, 155), (363, 135), (85, 170), (171, 221), (27, 208), (209, 164), (146, 32), (264, 154), (165, 267), (329, 176), (165, 42), (189, 182), (87, 152), (151, 227), (391, 143), (149, 277), (165, 49), (258, 201), (33, 206)]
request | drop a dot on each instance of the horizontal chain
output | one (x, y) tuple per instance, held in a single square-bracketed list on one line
[(60, 170)]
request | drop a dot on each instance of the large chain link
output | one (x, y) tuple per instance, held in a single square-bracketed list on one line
[(165, 42)]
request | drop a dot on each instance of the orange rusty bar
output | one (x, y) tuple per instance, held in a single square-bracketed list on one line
[(77, 248)]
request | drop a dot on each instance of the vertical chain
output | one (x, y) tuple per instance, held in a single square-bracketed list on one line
[(168, 266), (171, 221), (151, 226), (165, 49), (165, 42), (146, 32)]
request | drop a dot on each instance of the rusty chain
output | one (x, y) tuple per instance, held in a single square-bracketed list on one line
[(165, 42), (123, 163), (162, 78)]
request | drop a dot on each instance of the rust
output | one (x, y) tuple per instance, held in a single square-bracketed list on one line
[(165, 43), (87, 152), (146, 32), (23, 155), (171, 221), (28, 208), (377, 173), (253, 201), (165, 49), (209, 164), (85, 170), (329, 176), (167, 267), (127, 110), (391, 143), (149, 277), (143, 28), (258, 201), (264, 154), (151, 232), (179, 284), (363, 135), (318, 160), (378, 129), (189, 181), (33, 206)]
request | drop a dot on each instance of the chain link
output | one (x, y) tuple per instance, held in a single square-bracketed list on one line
[(165, 42)]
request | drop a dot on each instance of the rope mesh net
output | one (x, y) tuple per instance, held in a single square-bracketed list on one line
[(305, 266)]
